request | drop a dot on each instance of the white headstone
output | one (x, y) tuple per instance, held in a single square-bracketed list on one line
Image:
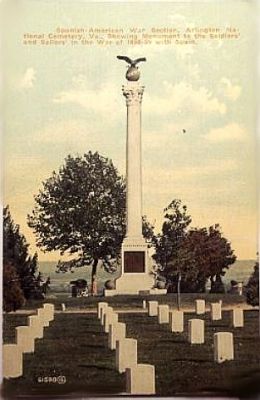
[(117, 331), (140, 379), (223, 346), (43, 316), (49, 310), (63, 307), (110, 318), (238, 318), (101, 305), (126, 354), (176, 321), (103, 312), (37, 327), (163, 314), (196, 331), (12, 361), (152, 308), (144, 304), (200, 306), (25, 338), (215, 311)]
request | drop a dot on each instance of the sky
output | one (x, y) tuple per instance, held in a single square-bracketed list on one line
[(61, 100)]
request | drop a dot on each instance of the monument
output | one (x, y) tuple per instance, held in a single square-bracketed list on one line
[(135, 274)]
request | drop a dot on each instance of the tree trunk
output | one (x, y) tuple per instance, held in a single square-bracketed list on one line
[(93, 276)]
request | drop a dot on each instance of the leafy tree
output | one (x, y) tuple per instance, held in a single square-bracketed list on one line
[(16, 254), (195, 254), (221, 256), (252, 287), (81, 211), (13, 297), (174, 229)]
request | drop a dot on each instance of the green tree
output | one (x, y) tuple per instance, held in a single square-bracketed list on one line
[(81, 211), (221, 256), (168, 243), (13, 297), (16, 254), (252, 287), (194, 254)]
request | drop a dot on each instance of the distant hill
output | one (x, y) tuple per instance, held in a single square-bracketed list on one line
[(239, 271)]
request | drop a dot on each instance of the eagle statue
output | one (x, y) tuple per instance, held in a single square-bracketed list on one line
[(132, 73)]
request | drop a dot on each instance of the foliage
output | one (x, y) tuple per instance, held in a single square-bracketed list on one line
[(15, 253), (174, 229), (195, 255), (252, 287), (13, 297), (81, 211)]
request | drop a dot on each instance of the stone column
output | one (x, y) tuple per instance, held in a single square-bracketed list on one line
[(134, 93)]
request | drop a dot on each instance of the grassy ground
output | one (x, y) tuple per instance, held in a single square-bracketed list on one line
[(74, 346), (182, 368), (132, 301)]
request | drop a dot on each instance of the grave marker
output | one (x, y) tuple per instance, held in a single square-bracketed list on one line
[(25, 338), (215, 311), (163, 314), (223, 346), (152, 308), (126, 354), (196, 331), (117, 331), (140, 379), (176, 321), (200, 307), (237, 318), (12, 361)]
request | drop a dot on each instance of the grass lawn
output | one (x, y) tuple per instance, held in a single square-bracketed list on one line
[(133, 301), (74, 346)]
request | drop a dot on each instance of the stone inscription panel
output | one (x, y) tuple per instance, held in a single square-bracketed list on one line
[(134, 261)]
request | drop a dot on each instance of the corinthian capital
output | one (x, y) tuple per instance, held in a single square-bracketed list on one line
[(133, 94)]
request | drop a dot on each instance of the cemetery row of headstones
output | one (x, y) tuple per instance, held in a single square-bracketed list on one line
[(223, 341), (140, 378), (25, 341)]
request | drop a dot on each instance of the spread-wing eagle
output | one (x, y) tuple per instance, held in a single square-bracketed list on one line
[(130, 61)]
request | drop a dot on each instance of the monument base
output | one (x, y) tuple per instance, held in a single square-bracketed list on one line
[(136, 277)]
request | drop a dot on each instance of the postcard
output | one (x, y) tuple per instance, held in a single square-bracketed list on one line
[(130, 262)]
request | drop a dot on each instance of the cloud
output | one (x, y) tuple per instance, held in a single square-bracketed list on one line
[(232, 131), (231, 91), (100, 101), (28, 79), (182, 97)]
